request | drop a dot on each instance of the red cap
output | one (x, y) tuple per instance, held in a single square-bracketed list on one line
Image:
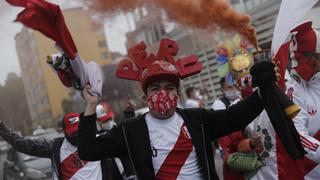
[(159, 70), (104, 112), (71, 123)]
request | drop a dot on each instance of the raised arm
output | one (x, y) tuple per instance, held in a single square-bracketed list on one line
[(238, 116), (94, 148), (39, 148), (234, 118)]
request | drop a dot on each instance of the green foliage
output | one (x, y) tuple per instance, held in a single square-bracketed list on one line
[(14, 106)]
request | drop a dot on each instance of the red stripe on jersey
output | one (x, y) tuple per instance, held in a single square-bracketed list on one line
[(309, 164), (308, 144), (71, 165), (170, 168)]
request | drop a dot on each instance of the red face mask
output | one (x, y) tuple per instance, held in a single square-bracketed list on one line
[(302, 67), (245, 85), (163, 102)]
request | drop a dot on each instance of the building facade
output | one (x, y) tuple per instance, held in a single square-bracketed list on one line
[(149, 27), (45, 92)]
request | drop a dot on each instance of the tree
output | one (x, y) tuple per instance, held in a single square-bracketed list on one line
[(14, 105)]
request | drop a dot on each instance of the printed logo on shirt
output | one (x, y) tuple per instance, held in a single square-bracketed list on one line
[(290, 93), (71, 165), (312, 110), (77, 162), (185, 131)]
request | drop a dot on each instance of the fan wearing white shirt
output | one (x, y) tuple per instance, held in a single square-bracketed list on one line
[(192, 100)]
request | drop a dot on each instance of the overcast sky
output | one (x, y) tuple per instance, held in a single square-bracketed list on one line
[(115, 30)]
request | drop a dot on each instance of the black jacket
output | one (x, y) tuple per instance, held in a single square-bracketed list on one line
[(131, 138), (35, 147), (111, 170)]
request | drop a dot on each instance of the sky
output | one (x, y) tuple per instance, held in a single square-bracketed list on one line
[(115, 31), (8, 54)]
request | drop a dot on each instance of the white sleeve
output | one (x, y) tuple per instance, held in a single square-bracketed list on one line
[(310, 144), (218, 105), (79, 69), (191, 104), (88, 73), (95, 77)]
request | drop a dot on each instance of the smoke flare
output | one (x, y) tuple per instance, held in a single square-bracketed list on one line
[(202, 14)]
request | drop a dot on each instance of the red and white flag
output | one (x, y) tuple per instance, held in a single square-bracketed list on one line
[(290, 15)]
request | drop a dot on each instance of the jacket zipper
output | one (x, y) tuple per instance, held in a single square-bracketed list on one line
[(205, 151), (129, 152)]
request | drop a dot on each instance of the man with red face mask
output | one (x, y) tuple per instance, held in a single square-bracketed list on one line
[(168, 142), (305, 91), (62, 151)]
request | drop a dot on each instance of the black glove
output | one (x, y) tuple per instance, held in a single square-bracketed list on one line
[(263, 74)]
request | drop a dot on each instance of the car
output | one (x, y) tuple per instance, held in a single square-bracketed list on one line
[(20, 166)]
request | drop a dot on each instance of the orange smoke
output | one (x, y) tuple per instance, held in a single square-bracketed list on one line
[(107, 6), (186, 12), (202, 14), (222, 13)]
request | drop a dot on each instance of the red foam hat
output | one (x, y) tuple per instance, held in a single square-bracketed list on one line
[(71, 122), (147, 69), (104, 112)]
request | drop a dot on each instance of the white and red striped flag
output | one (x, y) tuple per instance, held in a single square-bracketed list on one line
[(290, 15)]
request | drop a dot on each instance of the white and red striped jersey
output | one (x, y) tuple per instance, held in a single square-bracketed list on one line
[(307, 122), (73, 168), (173, 154)]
